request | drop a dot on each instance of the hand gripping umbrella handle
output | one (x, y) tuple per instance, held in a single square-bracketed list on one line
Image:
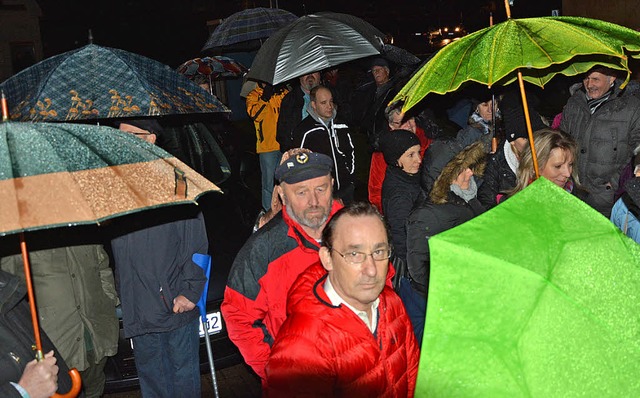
[(76, 380), (76, 384)]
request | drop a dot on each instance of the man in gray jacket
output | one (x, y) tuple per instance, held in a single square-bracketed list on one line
[(605, 121)]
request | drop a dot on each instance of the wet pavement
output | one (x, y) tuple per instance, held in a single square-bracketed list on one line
[(233, 382)]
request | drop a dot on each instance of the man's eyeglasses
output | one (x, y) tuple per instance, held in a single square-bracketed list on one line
[(354, 257)]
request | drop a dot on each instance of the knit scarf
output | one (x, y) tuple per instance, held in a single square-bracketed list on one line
[(477, 119), (594, 103), (466, 194)]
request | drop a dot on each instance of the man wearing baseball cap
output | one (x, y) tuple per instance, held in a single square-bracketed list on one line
[(254, 304)]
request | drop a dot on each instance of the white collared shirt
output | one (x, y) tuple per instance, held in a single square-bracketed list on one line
[(336, 300)]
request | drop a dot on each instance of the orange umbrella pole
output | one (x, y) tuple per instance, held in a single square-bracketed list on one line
[(76, 380), (32, 299), (507, 8), (527, 119), (5, 107)]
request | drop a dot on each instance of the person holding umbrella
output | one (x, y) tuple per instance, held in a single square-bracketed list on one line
[(482, 121), (20, 376), (263, 106)]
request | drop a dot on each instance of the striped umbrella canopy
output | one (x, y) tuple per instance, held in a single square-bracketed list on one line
[(95, 82), (244, 29), (59, 174), (205, 69)]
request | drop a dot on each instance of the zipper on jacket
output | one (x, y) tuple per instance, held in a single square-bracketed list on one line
[(164, 300)]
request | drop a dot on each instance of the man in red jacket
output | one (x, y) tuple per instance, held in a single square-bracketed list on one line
[(347, 333), (271, 260)]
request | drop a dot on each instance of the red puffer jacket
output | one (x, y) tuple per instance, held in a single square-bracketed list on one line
[(254, 305), (327, 351)]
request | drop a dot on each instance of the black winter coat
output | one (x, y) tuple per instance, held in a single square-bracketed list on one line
[(430, 219), (16, 338), (290, 116), (332, 139), (400, 193), (154, 265), (498, 177)]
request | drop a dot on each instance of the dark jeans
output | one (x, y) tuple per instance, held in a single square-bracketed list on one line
[(416, 306), (168, 363)]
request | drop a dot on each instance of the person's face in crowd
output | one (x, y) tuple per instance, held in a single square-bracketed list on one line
[(519, 144), (323, 105), (308, 202), (559, 167), (464, 178), (358, 284), (597, 84), (140, 133), (485, 110), (410, 160), (307, 82), (398, 122), (380, 74)]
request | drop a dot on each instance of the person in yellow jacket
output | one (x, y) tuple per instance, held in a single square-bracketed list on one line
[(76, 299), (263, 106)]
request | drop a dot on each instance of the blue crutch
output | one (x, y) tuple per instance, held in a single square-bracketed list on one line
[(204, 261)]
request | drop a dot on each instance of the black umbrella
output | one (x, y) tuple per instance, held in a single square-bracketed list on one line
[(312, 43)]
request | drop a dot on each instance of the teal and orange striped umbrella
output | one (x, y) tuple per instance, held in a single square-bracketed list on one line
[(54, 175), (71, 174)]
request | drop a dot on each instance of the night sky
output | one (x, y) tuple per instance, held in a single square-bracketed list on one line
[(175, 31)]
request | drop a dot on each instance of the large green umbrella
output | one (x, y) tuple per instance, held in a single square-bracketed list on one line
[(539, 297), (540, 47), (529, 49)]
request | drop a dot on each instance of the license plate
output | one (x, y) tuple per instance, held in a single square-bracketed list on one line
[(213, 325)]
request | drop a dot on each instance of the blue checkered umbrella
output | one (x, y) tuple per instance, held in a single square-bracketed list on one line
[(243, 29), (96, 82)]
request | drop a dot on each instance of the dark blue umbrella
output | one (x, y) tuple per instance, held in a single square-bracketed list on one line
[(244, 29), (96, 82)]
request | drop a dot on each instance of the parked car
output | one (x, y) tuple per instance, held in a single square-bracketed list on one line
[(211, 148)]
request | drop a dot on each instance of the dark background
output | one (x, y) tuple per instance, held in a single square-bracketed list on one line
[(175, 31)]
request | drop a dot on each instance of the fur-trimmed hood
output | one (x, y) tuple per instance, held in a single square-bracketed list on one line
[(473, 157)]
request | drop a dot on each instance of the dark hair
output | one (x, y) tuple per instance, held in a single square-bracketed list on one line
[(355, 209)]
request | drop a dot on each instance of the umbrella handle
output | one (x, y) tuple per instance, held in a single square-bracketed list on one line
[(76, 384)]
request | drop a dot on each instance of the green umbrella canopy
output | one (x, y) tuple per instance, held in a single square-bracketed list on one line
[(57, 174), (539, 297), (540, 47)]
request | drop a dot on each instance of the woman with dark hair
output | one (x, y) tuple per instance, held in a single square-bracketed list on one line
[(450, 174), (480, 126), (401, 187)]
